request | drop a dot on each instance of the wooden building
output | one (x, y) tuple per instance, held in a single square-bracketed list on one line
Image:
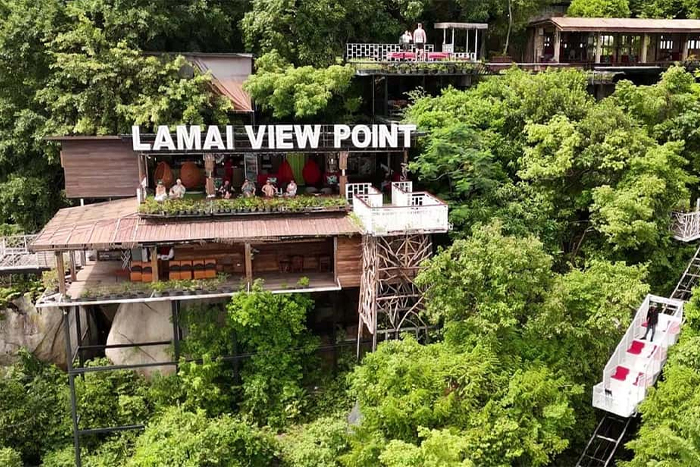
[(622, 42)]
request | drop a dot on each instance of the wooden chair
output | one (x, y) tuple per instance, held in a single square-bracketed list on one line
[(198, 269), (136, 271), (185, 270), (210, 268), (297, 264), (284, 264), (324, 263), (147, 273), (174, 270)]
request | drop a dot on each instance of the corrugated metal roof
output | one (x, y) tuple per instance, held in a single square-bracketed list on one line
[(116, 224), (565, 23), (461, 25)]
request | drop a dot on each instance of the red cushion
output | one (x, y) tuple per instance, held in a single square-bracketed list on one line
[(636, 347), (621, 373)]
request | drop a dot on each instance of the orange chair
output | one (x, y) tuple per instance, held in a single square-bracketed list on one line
[(174, 270), (198, 269), (147, 273), (185, 270), (135, 271), (210, 268)]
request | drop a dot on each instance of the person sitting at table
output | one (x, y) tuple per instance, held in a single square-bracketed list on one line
[(291, 189), (161, 192), (248, 189), (269, 189), (178, 190), (225, 191), (405, 40)]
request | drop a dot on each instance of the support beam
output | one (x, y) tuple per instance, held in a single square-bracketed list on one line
[(248, 264), (73, 268), (176, 331), (645, 47), (476, 44), (343, 165), (60, 273), (684, 53), (598, 47), (557, 45), (71, 384), (335, 259), (154, 263)]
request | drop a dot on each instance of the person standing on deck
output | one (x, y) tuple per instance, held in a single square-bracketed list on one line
[(405, 40), (652, 321), (419, 38)]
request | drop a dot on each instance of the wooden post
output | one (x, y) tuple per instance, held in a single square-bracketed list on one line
[(335, 259), (154, 264), (598, 47), (684, 54), (73, 269), (557, 45), (343, 165), (645, 46), (248, 264), (60, 273)]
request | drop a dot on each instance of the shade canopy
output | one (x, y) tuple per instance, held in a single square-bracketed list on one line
[(461, 26)]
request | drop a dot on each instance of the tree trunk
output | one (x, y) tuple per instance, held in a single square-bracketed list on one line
[(510, 26)]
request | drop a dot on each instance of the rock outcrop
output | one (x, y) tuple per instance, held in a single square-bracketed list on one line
[(142, 322)]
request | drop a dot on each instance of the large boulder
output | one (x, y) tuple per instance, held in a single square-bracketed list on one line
[(141, 323), (39, 330)]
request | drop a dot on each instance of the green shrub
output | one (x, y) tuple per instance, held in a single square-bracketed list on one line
[(317, 444), (10, 458)]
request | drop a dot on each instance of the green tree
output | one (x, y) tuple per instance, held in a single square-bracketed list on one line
[(10, 458), (599, 8), (316, 444), (185, 439), (301, 92), (273, 327)]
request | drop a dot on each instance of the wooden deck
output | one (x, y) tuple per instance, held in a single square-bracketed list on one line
[(109, 273)]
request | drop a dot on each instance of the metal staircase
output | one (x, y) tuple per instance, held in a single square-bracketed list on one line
[(611, 430)]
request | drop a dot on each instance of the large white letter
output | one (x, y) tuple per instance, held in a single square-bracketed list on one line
[(340, 133), (163, 139), (230, 140), (407, 130), (213, 138), (189, 139), (255, 140), (388, 138), (283, 134), (136, 140), (356, 136), (307, 134)]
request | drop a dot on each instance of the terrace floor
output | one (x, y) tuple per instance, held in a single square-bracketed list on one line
[(98, 274)]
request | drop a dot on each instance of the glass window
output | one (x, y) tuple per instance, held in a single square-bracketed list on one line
[(665, 42), (694, 43)]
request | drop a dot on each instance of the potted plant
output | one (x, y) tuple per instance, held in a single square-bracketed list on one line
[(158, 288)]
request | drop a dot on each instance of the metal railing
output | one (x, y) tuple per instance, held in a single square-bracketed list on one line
[(15, 254), (686, 225), (409, 212)]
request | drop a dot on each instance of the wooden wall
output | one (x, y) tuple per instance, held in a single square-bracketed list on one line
[(99, 168), (266, 257), (348, 261)]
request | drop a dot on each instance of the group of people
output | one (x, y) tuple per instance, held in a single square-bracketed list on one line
[(418, 38), (177, 191), (225, 191)]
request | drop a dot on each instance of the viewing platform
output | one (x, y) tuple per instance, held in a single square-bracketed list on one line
[(636, 364), (408, 213), (15, 257)]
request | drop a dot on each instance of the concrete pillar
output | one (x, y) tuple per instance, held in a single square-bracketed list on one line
[(684, 54), (598, 47), (645, 47)]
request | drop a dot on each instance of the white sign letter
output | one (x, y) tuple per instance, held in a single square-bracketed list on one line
[(136, 140), (213, 139), (389, 138), (255, 140), (163, 139), (340, 133), (307, 134), (356, 136), (283, 135), (189, 139), (407, 130)]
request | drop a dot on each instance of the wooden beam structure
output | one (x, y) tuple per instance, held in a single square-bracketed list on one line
[(73, 268), (60, 272), (248, 264), (154, 263), (390, 300)]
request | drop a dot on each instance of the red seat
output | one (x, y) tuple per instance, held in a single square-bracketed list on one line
[(636, 347), (621, 373)]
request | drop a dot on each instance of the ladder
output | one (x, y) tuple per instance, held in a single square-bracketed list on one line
[(602, 446), (689, 279)]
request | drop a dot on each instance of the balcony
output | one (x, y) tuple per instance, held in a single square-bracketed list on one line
[(636, 364), (686, 226), (408, 213)]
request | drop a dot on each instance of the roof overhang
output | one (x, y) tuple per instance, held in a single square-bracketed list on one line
[(117, 225), (461, 26), (629, 25)]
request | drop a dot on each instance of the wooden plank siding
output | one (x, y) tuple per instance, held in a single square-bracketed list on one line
[(102, 168), (348, 261)]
